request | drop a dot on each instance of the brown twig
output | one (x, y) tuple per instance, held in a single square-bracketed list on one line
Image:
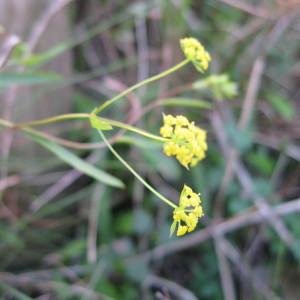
[(252, 10), (235, 223), (9, 182), (278, 143), (247, 109), (177, 290), (244, 269), (7, 46), (43, 22), (248, 185), (224, 270)]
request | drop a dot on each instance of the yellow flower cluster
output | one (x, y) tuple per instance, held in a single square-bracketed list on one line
[(196, 53), (186, 141), (187, 214)]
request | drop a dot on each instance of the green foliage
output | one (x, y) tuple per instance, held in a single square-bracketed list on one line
[(35, 60), (241, 139), (205, 276), (77, 162), (261, 161), (9, 291), (98, 123), (220, 86), (264, 188), (28, 78), (282, 106), (113, 291), (47, 248), (10, 239), (293, 223), (186, 102), (137, 271), (73, 249), (124, 223)]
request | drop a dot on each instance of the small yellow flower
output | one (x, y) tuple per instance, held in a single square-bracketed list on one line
[(182, 121), (196, 53), (187, 142), (171, 148), (187, 214), (166, 130), (181, 230), (169, 120)]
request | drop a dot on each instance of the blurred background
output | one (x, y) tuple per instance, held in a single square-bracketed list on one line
[(66, 235)]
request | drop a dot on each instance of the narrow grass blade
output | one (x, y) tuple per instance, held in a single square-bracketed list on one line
[(13, 292), (76, 162), (27, 78), (187, 102)]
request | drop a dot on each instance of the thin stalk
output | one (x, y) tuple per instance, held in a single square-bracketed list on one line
[(135, 129), (87, 116), (45, 135), (146, 184), (53, 119), (140, 84)]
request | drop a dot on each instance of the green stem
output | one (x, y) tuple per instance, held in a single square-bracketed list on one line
[(54, 119), (26, 128), (87, 116), (146, 184), (140, 84), (135, 129)]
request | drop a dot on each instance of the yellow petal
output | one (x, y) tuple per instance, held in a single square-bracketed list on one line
[(182, 229)]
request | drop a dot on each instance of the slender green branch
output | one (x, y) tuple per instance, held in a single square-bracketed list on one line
[(146, 184), (11, 125), (54, 119), (87, 116), (135, 129), (70, 144), (140, 84)]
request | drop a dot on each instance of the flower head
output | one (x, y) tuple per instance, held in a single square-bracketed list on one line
[(196, 53), (186, 141), (187, 214)]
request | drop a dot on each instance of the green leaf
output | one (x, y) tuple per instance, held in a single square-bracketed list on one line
[(76, 162), (19, 51), (282, 106), (261, 161), (172, 228), (219, 85), (98, 123), (124, 223), (11, 291), (263, 187), (241, 139), (41, 58), (27, 78), (9, 238), (186, 102), (74, 249)]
